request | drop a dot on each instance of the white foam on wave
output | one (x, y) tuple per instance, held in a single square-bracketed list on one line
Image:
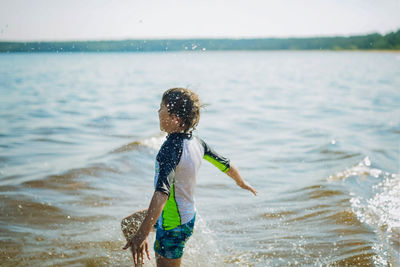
[(361, 169), (382, 213), (384, 205), (153, 143), (380, 209)]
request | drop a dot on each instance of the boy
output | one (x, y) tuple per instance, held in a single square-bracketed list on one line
[(177, 164)]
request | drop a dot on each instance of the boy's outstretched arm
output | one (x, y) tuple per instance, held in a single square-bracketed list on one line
[(233, 172), (138, 242)]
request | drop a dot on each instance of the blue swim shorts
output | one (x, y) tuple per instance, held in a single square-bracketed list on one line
[(170, 243)]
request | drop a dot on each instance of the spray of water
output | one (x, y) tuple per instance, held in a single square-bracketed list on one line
[(379, 208)]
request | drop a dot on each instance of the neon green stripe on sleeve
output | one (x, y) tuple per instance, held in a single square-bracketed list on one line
[(216, 163)]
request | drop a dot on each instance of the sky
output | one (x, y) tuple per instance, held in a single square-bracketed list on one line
[(57, 20)]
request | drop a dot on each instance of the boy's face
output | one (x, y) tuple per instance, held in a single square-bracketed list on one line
[(168, 123)]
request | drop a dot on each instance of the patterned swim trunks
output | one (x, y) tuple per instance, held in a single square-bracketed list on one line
[(170, 243)]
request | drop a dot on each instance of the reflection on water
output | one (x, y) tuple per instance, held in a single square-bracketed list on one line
[(316, 133)]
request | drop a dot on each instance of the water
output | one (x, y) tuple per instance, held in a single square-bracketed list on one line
[(317, 133)]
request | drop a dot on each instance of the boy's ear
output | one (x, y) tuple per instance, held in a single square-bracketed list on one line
[(181, 123), (177, 120)]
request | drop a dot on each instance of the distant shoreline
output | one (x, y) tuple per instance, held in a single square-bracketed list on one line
[(394, 51), (371, 42)]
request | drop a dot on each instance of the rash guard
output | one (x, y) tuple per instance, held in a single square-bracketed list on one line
[(177, 164)]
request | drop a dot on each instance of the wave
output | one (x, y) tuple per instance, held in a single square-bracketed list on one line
[(381, 211), (68, 180), (153, 143), (351, 218), (375, 201), (327, 223), (361, 169)]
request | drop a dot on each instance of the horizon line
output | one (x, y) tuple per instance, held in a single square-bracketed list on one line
[(193, 38)]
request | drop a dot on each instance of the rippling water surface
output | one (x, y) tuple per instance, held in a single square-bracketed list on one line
[(317, 133)]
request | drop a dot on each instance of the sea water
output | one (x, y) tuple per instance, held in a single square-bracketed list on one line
[(316, 133)]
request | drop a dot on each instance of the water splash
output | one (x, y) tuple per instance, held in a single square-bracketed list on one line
[(382, 213), (202, 248), (362, 169), (378, 207)]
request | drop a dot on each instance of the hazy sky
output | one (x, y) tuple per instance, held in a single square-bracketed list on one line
[(107, 19)]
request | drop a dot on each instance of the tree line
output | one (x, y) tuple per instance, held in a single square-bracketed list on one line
[(375, 41)]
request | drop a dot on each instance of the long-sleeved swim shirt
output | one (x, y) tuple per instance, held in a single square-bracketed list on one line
[(177, 164)]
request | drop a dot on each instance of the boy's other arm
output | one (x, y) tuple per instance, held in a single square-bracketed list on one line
[(233, 172)]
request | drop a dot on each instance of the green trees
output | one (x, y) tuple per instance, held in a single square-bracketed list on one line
[(390, 41)]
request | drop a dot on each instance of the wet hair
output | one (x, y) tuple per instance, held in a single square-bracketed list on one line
[(185, 104)]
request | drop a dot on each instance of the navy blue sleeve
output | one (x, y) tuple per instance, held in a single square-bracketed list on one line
[(214, 158), (167, 159)]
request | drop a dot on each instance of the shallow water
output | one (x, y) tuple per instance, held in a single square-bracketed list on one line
[(317, 133)]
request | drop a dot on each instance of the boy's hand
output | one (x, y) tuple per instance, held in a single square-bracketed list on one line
[(138, 243), (246, 186), (233, 172), (138, 249)]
